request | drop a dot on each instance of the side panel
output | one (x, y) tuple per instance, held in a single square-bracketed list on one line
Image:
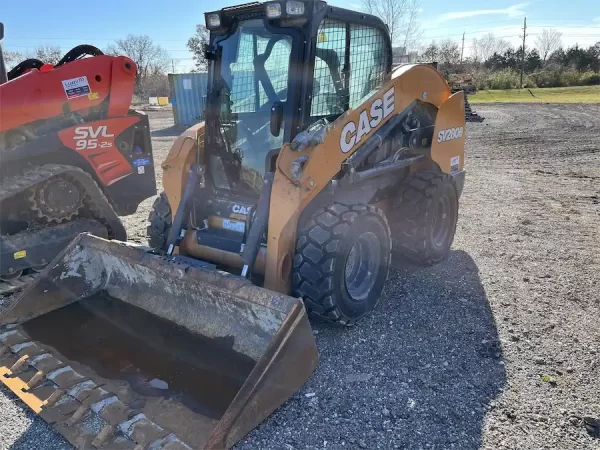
[(343, 138), (448, 147), (97, 143), (121, 162), (81, 85)]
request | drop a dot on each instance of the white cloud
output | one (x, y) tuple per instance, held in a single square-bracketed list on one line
[(512, 11)]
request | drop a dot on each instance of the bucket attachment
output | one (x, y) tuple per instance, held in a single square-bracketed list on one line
[(121, 349)]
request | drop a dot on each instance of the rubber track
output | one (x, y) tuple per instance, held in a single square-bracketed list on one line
[(316, 249), (95, 200), (78, 407)]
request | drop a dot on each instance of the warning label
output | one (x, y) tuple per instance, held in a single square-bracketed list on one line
[(454, 164), (76, 87)]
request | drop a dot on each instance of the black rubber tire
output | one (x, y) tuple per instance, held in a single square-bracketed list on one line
[(323, 245), (415, 217), (160, 222)]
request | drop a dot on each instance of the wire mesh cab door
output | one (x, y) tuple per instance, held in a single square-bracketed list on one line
[(352, 57)]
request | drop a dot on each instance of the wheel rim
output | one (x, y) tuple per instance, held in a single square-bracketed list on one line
[(362, 266), (441, 228)]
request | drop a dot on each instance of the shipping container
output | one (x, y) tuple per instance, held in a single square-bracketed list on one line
[(188, 94)]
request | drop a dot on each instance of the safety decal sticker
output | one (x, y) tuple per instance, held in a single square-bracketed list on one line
[(141, 162), (20, 254), (234, 225), (454, 164), (76, 87)]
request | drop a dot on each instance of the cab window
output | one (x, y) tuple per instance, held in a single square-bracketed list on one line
[(350, 65)]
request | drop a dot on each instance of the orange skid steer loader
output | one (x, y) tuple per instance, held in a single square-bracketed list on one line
[(315, 162)]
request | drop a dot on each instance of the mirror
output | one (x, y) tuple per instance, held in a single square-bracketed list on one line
[(276, 118), (1, 31), (209, 55)]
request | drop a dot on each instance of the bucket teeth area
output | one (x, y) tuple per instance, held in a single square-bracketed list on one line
[(81, 409)]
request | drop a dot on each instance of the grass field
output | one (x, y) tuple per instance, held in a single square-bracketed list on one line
[(577, 94)]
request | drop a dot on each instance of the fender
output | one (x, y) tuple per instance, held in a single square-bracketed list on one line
[(449, 135)]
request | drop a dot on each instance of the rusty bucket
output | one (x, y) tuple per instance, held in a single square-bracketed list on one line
[(118, 348)]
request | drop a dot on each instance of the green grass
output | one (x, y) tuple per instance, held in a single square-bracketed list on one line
[(577, 94)]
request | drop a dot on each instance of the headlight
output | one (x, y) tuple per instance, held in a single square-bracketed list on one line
[(213, 20), (273, 10), (294, 8)]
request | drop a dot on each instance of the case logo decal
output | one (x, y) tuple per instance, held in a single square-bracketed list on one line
[(380, 109)]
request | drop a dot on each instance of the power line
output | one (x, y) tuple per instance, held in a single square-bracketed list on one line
[(523, 52), (462, 52)]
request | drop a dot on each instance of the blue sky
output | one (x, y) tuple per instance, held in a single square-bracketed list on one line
[(67, 23)]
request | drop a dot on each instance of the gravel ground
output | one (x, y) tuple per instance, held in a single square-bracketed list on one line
[(497, 347)]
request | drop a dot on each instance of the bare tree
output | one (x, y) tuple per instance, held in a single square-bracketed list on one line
[(549, 41), (411, 31), (196, 45), (48, 54), (485, 47), (430, 54), (151, 59), (401, 18), (13, 58)]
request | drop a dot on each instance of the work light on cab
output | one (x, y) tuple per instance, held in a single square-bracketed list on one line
[(213, 20), (294, 8), (273, 10)]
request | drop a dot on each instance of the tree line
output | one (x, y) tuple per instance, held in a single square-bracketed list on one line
[(495, 64)]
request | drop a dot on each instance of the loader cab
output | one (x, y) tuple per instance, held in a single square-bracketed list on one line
[(276, 68)]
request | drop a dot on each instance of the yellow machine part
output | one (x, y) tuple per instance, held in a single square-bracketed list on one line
[(121, 349)]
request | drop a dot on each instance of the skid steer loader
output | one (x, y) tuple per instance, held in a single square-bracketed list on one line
[(314, 162), (74, 156)]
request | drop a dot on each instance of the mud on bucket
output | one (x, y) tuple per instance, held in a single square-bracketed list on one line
[(117, 347)]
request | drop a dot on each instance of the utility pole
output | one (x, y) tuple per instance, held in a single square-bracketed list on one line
[(173, 65), (462, 52), (523, 55)]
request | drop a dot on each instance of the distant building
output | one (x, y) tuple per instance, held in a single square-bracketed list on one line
[(399, 56)]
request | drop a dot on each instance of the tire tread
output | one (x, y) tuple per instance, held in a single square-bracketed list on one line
[(313, 278)]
